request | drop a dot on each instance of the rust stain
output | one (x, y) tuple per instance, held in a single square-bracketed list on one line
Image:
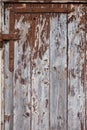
[(7, 118), (83, 75), (82, 19), (39, 7), (11, 43), (38, 48)]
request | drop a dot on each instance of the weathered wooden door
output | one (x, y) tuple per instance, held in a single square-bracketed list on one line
[(45, 66)]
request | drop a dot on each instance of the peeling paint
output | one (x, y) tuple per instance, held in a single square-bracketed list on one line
[(47, 88)]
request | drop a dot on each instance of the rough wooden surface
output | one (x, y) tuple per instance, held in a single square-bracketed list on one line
[(22, 88), (2, 71), (76, 66), (47, 89), (8, 117), (1, 91), (40, 72), (8, 93), (58, 74)]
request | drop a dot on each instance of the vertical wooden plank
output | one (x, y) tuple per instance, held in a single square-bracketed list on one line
[(86, 66), (22, 86), (58, 73), (2, 89), (8, 94), (76, 61), (40, 72), (2, 74)]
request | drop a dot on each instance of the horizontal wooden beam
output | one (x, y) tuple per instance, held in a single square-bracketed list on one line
[(44, 1), (41, 8)]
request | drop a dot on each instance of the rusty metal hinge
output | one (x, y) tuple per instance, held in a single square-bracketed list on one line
[(11, 38), (7, 37)]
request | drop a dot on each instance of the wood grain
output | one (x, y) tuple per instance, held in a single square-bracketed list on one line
[(2, 89), (58, 74), (40, 72), (47, 89), (8, 92), (22, 106), (76, 61), (8, 82), (2, 75)]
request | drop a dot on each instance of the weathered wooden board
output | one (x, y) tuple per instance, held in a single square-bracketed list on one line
[(2, 72), (2, 89), (76, 66), (8, 112), (58, 73), (22, 83), (8, 93), (40, 72), (47, 89)]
